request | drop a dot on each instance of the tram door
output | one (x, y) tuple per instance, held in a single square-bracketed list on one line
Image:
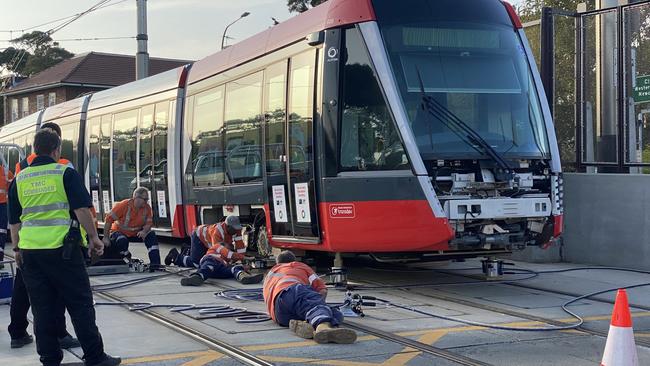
[(289, 105), (153, 170)]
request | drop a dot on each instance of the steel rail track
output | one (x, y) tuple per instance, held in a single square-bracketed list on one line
[(215, 344), (517, 314), (423, 347)]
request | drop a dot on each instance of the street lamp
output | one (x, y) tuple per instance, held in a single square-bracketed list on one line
[(223, 38)]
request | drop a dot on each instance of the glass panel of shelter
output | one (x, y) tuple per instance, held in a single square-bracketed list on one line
[(636, 56), (599, 107)]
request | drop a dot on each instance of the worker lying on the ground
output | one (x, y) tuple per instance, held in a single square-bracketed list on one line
[(130, 221), (199, 246), (226, 248), (295, 297)]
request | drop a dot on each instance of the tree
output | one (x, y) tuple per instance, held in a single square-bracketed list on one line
[(299, 6), (33, 53)]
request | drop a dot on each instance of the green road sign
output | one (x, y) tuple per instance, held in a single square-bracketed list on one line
[(642, 89)]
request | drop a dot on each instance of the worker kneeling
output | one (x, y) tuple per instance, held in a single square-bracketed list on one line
[(226, 247), (295, 297), (129, 221)]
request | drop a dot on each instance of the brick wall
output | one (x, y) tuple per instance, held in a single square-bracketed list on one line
[(62, 94)]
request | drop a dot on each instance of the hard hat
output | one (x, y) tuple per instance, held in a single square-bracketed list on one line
[(233, 222)]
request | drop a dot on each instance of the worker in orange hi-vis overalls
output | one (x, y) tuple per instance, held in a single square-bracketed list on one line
[(130, 221), (226, 249), (295, 297)]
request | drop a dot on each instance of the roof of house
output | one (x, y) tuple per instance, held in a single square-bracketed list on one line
[(92, 69)]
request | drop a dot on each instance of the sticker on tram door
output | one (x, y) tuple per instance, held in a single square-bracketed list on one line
[(342, 211), (107, 201), (162, 208), (279, 204), (95, 195), (301, 191)]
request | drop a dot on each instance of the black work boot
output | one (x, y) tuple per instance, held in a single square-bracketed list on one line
[(108, 361), (248, 279), (23, 341), (69, 342), (171, 256), (194, 280)]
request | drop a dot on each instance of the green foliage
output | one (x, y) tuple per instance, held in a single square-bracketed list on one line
[(299, 6), (33, 53)]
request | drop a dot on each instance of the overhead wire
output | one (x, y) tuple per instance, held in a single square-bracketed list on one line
[(19, 56)]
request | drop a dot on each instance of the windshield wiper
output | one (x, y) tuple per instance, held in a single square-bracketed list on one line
[(463, 130)]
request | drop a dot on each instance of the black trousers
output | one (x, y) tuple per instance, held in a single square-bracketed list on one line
[(49, 277), (20, 307)]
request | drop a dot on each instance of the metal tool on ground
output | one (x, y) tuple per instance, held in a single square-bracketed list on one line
[(352, 305)]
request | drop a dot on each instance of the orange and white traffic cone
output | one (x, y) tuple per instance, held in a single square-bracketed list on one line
[(620, 349)]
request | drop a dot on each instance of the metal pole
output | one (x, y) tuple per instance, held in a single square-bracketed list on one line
[(548, 56), (223, 37), (142, 57)]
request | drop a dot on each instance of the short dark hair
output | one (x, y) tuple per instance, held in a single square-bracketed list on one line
[(46, 141), (286, 257), (52, 126)]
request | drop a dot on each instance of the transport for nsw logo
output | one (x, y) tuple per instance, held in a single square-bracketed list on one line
[(342, 211)]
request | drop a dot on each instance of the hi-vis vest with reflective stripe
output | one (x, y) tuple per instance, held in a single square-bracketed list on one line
[(46, 217)]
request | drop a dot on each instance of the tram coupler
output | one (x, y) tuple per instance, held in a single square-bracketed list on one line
[(492, 268)]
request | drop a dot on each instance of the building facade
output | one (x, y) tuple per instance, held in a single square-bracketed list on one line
[(82, 74)]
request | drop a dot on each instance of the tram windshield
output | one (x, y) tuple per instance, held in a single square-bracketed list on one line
[(465, 56)]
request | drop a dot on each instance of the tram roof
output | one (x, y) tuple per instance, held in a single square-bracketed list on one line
[(26, 122), (333, 13), (137, 89), (67, 108)]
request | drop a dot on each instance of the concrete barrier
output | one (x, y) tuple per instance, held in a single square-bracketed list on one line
[(607, 219)]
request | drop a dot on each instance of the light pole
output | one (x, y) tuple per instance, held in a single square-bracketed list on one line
[(223, 38)]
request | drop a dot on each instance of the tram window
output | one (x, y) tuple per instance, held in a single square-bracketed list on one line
[(13, 158), (124, 153), (207, 138), (243, 129), (29, 144), (105, 162), (68, 139), (146, 126), (301, 110), (369, 140), (93, 156), (160, 147), (275, 84)]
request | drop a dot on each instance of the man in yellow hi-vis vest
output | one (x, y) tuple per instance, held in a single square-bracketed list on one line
[(47, 203)]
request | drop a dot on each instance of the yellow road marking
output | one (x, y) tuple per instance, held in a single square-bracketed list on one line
[(204, 360), (407, 355), (169, 357), (315, 361)]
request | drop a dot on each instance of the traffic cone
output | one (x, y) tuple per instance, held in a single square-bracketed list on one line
[(620, 349)]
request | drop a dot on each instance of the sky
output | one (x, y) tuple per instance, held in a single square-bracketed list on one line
[(182, 29)]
